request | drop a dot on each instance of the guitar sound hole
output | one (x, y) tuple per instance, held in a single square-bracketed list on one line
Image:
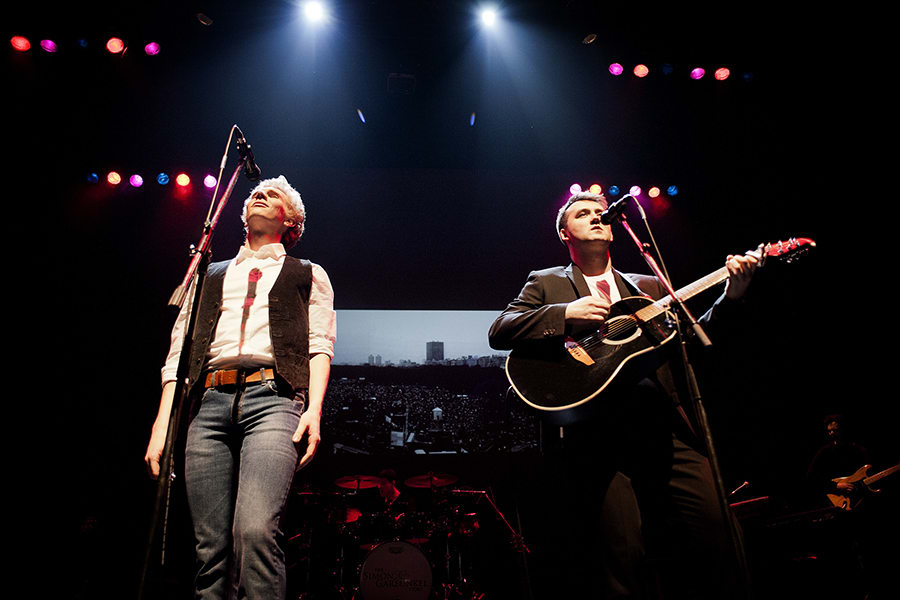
[(620, 330)]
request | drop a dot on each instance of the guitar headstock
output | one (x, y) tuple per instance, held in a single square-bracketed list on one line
[(789, 250)]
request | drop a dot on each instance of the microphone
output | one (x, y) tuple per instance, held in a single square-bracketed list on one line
[(251, 169), (615, 209)]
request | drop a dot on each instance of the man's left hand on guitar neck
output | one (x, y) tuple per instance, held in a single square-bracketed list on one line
[(740, 271)]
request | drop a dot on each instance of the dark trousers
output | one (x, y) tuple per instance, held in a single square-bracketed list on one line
[(635, 511)]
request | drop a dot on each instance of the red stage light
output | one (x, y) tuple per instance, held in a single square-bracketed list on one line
[(595, 188), (20, 43), (653, 192), (115, 45), (183, 180), (641, 71), (722, 74), (114, 178)]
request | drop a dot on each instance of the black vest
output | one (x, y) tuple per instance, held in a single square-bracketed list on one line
[(288, 320)]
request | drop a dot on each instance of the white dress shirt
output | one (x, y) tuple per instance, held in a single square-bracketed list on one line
[(244, 341)]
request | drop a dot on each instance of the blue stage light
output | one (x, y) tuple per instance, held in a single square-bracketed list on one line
[(613, 190), (162, 179), (672, 190)]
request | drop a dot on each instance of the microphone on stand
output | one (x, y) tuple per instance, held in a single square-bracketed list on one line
[(615, 209), (251, 169)]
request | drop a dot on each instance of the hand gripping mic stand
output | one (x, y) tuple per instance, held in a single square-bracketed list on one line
[(696, 401), (196, 275)]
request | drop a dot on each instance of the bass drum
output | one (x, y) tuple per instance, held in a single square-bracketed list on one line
[(395, 571)]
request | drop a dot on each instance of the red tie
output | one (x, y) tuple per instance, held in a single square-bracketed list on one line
[(603, 287)]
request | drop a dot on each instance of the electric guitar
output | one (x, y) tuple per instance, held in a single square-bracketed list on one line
[(561, 377), (844, 501)]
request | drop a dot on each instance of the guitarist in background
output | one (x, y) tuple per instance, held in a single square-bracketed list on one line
[(837, 458), (637, 468)]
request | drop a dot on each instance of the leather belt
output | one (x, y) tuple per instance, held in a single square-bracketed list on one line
[(233, 376)]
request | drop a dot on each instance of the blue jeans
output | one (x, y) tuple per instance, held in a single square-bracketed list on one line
[(239, 463)]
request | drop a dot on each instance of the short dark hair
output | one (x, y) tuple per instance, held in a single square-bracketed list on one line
[(561, 215)]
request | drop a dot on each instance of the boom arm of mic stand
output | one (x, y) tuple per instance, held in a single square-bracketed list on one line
[(701, 335)]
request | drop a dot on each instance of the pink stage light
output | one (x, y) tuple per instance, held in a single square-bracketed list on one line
[(183, 180), (115, 45), (114, 178), (635, 190), (49, 46), (20, 43), (574, 188), (152, 49), (209, 181), (136, 180), (616, 69), (641, 71), (698, 73), (722, 74)]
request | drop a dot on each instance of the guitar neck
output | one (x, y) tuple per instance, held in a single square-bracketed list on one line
[(688, 291), (884, 473)]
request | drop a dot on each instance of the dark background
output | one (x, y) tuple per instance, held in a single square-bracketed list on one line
[(415, 209)]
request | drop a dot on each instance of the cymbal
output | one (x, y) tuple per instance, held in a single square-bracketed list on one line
[(431, 480), (358, 482)]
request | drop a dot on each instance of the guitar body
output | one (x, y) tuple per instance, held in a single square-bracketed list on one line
[(561, 377)]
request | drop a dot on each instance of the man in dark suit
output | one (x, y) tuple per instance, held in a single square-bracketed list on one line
[(643, 453)]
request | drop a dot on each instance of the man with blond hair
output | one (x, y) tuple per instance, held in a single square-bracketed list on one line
[(258, 370)]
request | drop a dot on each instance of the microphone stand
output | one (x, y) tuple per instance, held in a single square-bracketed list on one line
[(196, 274), (734, 532)]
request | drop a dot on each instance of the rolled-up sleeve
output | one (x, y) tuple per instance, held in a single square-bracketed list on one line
[(322, 318)]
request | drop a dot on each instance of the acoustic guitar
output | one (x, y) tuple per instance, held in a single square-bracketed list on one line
[(562, 377)]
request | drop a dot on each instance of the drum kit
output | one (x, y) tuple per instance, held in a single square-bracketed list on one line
[(418, 545)]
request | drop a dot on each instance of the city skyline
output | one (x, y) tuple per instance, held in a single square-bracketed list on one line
[(399, 335)]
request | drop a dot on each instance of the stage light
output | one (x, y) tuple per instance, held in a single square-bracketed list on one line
[(49, 46), (361, 116), (209, 181), (488, 16), (82, 43), (668, 69), (635, 191), (595, 188), (722, 74), (114, 178), (92, 178), (20, 43), (654, 192), (472, 120), (162, 179), (616, 69), (183, 180), (748, 77), (574, 188), (136, 180), (315, 11), (672, 190), (698, 73), (151, 49), (115, 45), (641, 71), (613, 190)]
